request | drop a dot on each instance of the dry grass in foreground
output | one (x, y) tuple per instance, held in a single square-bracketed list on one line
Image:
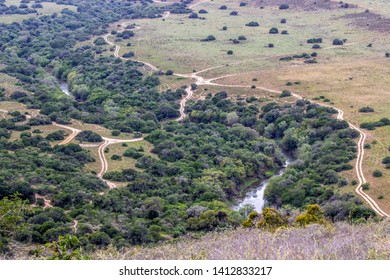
[(341, 241)]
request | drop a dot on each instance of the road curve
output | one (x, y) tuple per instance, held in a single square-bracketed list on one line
[(103, 160)]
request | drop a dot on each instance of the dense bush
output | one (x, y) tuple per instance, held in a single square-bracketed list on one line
[(366, 109), (284, 6), (338, 42), (377, 173), (89, 136), (252, 23)]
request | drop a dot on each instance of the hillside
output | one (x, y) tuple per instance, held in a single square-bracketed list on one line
[(341, 241)]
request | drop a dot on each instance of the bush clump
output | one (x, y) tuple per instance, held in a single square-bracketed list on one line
[(284, 7), (89, 136), (377, 173), (285, 93), (338, 42)]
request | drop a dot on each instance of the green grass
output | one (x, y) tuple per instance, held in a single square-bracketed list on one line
[(48, 9), (175, 43)]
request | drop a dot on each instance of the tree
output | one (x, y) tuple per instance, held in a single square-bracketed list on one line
[(193, 15), (229, 52), (271, 220), (169, 73), (316, 46), (99, 41), (273, 30), (89, 136), (270, 45), (65, 248), (209, 38), (366, 109), (223, 7), (285, 93), (283, 20), (12, 212), (224, 28), (241, 38), (234, 13), (338, 42), (128, 54), (202, 11)]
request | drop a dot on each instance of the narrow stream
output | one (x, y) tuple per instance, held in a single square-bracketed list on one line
[(255, 195), (65, 89)]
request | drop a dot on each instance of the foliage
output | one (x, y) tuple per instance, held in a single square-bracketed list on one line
[(373, 125), (65, 248), (366, 109), (271, 220), (12, 215), (312, 215), (89, 136), (252, 23)]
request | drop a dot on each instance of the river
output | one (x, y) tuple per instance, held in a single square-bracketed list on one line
[(255, 195), (65, 89)]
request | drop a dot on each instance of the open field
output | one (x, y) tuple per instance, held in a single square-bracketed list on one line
[(168, 43), (126, 162), (48, 9)]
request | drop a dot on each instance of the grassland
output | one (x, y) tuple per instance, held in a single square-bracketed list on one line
[(48, 9)]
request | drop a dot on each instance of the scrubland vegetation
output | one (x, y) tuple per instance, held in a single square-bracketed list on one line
[(180, 183)]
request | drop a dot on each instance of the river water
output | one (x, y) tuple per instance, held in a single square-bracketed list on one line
[(65, 89), (255, 195)]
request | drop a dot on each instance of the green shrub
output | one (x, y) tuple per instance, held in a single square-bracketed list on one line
[(338, 42), (273, 30), (386, 160), (377, 173), (284, 7), (252, 23), (229, 52), (366, 186), (366, 109)]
